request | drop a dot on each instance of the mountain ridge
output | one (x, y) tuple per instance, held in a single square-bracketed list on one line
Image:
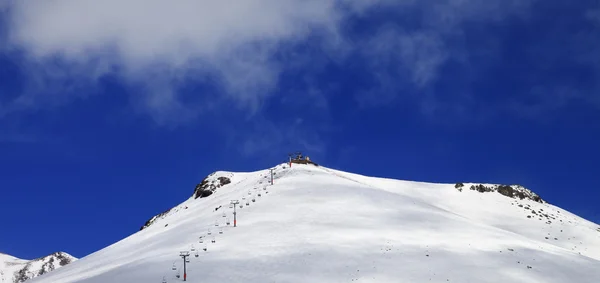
[(16, 270), (326, 225)]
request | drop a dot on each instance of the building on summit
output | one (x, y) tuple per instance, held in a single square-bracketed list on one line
[(298, 158)]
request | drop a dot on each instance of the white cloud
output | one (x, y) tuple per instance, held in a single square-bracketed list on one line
[(167, 42), (160, 45)]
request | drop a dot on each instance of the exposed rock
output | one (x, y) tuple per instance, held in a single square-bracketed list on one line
[(208, 186), (515, 191), (41, 266), (151, 220)]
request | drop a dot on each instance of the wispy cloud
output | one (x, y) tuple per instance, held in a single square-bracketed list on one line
[(161, 44), (241, 49)]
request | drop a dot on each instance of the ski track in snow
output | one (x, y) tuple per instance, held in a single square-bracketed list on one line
[(322, 225)]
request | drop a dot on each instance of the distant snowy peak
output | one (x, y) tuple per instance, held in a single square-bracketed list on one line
[(204, 189), (15, 270), (512, 191)]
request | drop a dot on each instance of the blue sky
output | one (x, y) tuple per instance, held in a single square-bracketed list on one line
[(112, 111)]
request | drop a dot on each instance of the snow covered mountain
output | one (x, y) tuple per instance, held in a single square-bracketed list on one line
[(316, 224), (15, 270)]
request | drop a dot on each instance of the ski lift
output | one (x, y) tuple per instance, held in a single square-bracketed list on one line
[(201, 241), (178, 274), (253, 200), (205, 247), (209, 231), (193, 249), (221, 230), (264, 188), (241, 206), (247, 203), (174, 268), (231, 205), (187, 260), (228, 223), (249, 192), (214, 240), (224, 215), (164, 280), (196, 254), (259, 195), (216, 223)]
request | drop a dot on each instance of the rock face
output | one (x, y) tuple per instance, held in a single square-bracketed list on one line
[(151, 220), (16, 270), (209, 185), (514, 191), (204, 189)]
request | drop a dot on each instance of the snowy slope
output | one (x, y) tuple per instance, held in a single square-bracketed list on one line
[(15, 270), (322, 225)]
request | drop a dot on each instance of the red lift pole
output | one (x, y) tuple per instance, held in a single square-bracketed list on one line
[(235, 203), (184, 255)]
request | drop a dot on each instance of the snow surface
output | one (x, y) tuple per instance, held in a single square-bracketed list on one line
[(322, 225), (10, 266)]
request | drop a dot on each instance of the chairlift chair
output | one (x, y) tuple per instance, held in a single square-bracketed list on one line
[(253, 200), (225, 215), (201, 241), (259, 195), (196, 255), (174, 268), (214, 240), (216, 223), (193, 249), (247, 203), (205, 247), (164, 280), (220, 230), (228, 221), (210, 233), (187, 260), (231, 205)]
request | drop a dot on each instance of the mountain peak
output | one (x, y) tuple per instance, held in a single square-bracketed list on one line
[(15, 270), (324, 225)]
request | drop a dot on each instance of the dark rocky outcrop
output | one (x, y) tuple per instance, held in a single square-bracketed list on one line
[(151, 220), (208, 186), (49, 263), (515, 191)]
